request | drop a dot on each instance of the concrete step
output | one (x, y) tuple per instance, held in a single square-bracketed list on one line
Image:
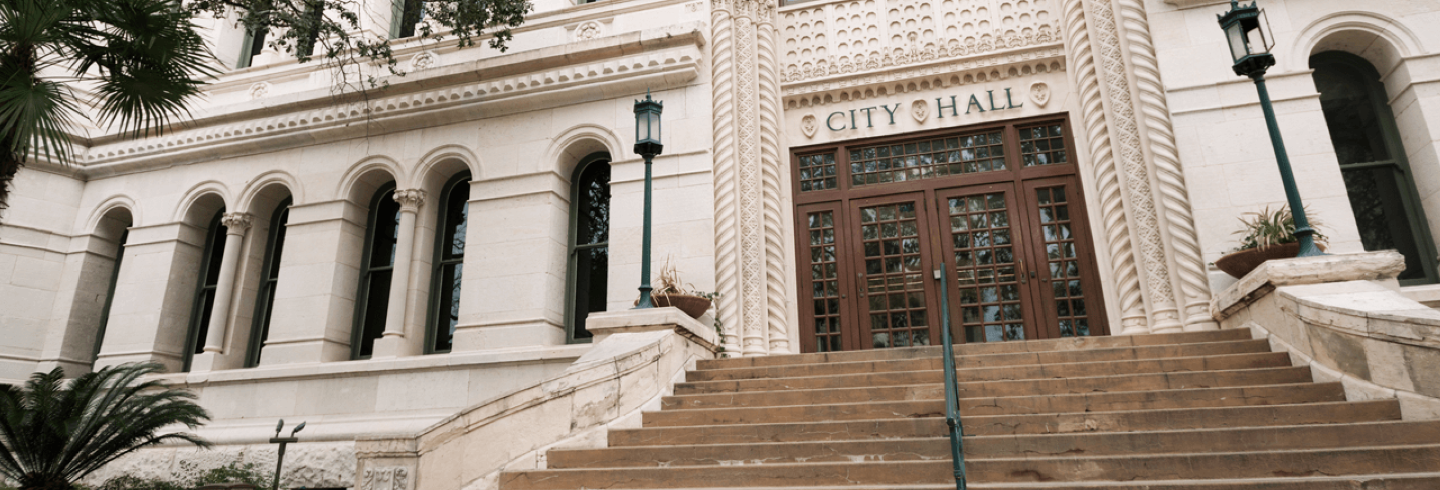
[(1228, 362), (1393, 481), (1118, 382), (1080, 402), (981, 447), (1252, 464), (1033, 346), (1033, 361)]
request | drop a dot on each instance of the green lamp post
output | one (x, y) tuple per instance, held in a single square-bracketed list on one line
[(647, 145), (1250, 49)]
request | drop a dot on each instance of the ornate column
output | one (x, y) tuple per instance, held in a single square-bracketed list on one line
[(749, 253), (1169, 174), (393, 343), (236, 224), (1142, 187)]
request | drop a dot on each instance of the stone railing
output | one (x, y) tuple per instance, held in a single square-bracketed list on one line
[(637, 358), (1344, 316), (855, 36)]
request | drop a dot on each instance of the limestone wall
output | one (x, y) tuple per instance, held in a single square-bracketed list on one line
[(1345, 318)]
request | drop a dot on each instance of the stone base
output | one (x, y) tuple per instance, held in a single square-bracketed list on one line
[(604, 324)]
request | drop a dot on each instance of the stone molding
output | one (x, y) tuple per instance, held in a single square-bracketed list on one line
[(661, 58), (749, 253), (944, 73), (1368, 266)]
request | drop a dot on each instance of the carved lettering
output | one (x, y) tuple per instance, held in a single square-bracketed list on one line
[(891, 111), (868, 122), (974, 102), (1011, 103), (940, 106)]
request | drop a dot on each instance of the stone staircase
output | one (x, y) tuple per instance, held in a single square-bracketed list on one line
[(1192, 411)]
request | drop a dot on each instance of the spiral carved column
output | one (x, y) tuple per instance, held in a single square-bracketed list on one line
[(1174, 200), (748, 222)]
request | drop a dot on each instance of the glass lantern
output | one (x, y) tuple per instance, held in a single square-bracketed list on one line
[(647, 126), (1247, 32)]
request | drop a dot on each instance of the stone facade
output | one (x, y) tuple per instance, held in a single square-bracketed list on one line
[(1169, 148)]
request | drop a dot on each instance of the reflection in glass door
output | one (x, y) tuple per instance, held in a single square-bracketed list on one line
[(894, 304), (986, 270)]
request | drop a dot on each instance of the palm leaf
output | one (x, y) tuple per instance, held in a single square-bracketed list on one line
[(55, 434)]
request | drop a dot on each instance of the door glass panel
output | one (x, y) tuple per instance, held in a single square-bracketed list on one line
[(982, 237), (824, 281), (817, 172), (928, 159), (1061, 261), (1044, 145), (894, 278)]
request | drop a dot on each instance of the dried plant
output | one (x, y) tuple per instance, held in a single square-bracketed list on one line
[(1265, 228)]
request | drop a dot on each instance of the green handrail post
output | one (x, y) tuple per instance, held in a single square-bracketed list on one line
[(952, 388)]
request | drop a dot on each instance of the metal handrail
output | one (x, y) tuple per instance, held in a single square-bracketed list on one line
[(952, 388)]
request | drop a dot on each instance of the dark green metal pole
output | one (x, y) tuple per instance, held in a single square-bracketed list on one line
[(645, 301), (1303, 232), (952, 389), (280, 460)]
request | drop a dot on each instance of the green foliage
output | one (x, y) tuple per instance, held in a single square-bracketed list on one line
[(130, 482), (1265, 228), (236, 472), (140, 60), (54, 433)]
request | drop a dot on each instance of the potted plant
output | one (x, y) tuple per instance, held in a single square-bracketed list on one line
[(1266, 235), (669, 292)]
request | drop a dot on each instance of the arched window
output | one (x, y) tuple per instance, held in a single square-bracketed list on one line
[(1372, 159), (589, 244), (204, 302), (410, 13), (449, 264), (109, 295), (378, 262), (265, 299)]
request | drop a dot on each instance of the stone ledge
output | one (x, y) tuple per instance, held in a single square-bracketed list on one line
[(604, 324), (1368, 266)]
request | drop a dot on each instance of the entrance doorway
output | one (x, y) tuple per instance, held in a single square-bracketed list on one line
[(997, 207)]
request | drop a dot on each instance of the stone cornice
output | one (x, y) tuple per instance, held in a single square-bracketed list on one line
[(1190, 4), (565, 74), (977, 68)]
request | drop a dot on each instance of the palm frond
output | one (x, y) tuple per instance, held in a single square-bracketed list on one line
[(50, 432)]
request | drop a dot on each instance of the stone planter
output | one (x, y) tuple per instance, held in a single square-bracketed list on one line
[(1238, 264)]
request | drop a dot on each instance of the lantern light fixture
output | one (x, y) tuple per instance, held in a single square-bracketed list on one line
[(1247, 30), (647, 145)]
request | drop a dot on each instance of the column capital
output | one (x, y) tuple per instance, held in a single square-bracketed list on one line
[(236, 223), (410, 199)]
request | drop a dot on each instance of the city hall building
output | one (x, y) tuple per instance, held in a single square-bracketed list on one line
[(382, 266)]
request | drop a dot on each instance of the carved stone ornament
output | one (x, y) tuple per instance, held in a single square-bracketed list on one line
[(424, 60), (809, 125), (920, 110), (588, 30), (1040, 94), (386, 479), (236, 222), (259, 89), (410, 198)]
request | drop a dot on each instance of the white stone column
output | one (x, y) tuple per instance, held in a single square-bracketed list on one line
[(393, 343), (236, 224)]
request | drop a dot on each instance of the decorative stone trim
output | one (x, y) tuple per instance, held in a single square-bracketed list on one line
[(410, 199), (236, 223), (1017, 64)]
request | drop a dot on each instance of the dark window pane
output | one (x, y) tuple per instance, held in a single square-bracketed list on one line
[(1350, 113), (377, 301), (591, 272), (207, 305), (386, 231), (448, 313), (457, 212), (593, 208)]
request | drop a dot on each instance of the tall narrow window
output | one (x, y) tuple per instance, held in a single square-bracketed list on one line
[(376, 267), (314, 14), (409, 13), (265, 299), (449, 263), (1372, 160), (253, 45), (109, 296), (205, 294), (589, 243)]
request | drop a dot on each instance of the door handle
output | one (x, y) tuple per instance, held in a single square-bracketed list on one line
[(860, 284), (1021, 271)]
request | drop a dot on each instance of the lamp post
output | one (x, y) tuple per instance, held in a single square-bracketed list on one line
[(647, 145), (282, 441), (1245, 30)]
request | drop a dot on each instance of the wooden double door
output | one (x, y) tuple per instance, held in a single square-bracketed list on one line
[(998, 209)]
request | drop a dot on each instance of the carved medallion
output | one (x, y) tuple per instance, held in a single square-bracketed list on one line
[(588, 30), (424, 60), (809, 125), (1039, 94), (259, 89), (920, 110)]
